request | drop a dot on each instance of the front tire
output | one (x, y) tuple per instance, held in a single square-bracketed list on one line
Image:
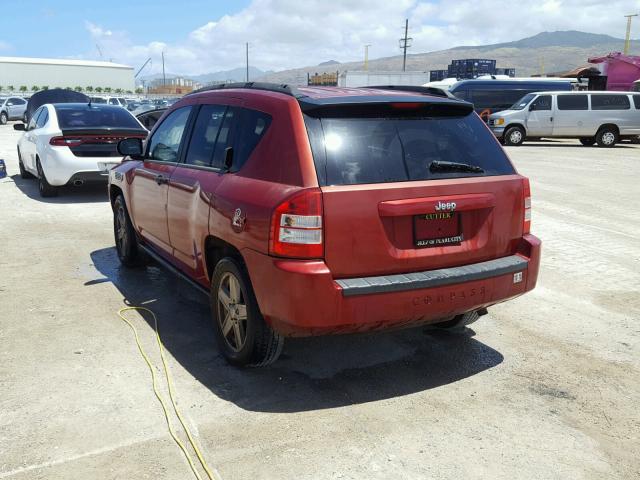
[(588, 141), (514, 136), (124, 234), (23, 171), (242, 333), (44, 187), (607, 137), (3, 118)]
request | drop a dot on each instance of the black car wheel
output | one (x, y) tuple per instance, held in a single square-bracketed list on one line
[(514, 136), (3, 118), (125, 234), (23, 171), (243, 336), (44, 187)]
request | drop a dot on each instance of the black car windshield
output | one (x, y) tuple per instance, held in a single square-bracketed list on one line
[(94, 116), (350, 151), (523, 102)]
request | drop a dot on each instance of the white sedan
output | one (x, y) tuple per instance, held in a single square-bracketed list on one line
[(73, 143)]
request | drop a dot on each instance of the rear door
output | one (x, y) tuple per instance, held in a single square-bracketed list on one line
[(540, 119), (150, 184), (393, 204), (194, 181)]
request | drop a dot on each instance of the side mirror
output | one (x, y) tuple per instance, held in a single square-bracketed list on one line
[(532, 107), (21, 127), (131, 147)]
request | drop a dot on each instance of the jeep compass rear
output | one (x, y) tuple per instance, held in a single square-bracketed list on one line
[(354, 210)]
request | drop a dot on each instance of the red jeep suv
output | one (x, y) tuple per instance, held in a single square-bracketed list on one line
[(322, 210)]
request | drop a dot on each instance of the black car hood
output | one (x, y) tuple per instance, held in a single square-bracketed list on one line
[(56, 95)]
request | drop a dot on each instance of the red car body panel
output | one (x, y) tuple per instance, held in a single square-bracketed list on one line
[(367, 228)]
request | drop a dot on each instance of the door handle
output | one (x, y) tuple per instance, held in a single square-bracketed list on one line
[(161, 179), (551, 119)]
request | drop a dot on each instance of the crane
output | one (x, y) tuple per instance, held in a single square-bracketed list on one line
[(143, 65)]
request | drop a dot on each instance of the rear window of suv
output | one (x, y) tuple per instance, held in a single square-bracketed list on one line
[(350, 151)]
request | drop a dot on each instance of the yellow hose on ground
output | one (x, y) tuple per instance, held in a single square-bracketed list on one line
[(182, 446)]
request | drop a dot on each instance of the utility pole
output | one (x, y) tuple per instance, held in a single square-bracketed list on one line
[(247, 54), (405, 43), (366, 56), (164, 78), (627, 39)]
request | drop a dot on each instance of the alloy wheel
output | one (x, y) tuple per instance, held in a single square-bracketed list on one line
[(232, 312)]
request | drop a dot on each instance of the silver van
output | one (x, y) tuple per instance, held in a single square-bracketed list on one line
[(593, 117)]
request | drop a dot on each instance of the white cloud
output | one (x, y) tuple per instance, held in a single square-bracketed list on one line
[(293, 33)]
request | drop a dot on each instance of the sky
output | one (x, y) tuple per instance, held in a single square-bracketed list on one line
[(199, 36)]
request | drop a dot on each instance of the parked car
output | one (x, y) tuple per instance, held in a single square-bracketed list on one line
[(593, 117), (12, 108), (73, 143), (318, 210), (494, 95)]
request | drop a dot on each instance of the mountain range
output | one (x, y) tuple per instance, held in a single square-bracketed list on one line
[(547, 51)]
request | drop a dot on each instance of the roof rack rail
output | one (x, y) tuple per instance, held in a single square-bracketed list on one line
[(270, 87), (438, 92)]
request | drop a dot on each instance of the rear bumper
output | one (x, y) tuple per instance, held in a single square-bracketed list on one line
[(300, 298), (62, 167)]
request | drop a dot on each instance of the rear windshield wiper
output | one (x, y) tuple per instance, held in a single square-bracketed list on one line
[(439, 166)]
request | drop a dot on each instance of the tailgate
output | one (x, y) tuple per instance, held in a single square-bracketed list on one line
[(415, 226)]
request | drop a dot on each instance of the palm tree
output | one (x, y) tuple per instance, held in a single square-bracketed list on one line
[(129, 92), (35, 88), (107, 90), (45, 87), (89, 89), (23, 88), (11, 88), (139, 90), (118, 90), (98, 89), (78, 88)]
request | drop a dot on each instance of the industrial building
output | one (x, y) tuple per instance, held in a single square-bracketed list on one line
[(30, 72), (470, 68)]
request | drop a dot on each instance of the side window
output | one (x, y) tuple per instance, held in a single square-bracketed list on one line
[(636, 101), (34, 119), (253, 126), (205, 134), (225, 136), (18, 101), (573, 102), (165, 143), (43, 118), (462, 94), (610, 102), (114, 101), (543, 102), (11, 102)]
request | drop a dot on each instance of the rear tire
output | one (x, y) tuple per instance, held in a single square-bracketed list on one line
[(459, 321), (242, 334), (44, 187), (607, 137), (514, 136), (588, 141), (3, 118), (124, 234)]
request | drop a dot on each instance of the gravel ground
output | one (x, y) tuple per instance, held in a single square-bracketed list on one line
[(546, 386)]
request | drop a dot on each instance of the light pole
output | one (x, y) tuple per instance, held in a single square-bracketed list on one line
[(366, 56), (627, 38)]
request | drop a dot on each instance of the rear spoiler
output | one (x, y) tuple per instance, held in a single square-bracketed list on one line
[(438, 92), (104, 132)]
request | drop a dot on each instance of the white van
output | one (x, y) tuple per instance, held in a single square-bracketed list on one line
[(593, 117)]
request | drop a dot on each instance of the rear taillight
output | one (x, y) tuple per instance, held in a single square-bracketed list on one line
[(526, 195), (65, 141), (296, 226)]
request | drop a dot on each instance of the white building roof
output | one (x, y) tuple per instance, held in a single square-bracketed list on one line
[(62, 61)]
